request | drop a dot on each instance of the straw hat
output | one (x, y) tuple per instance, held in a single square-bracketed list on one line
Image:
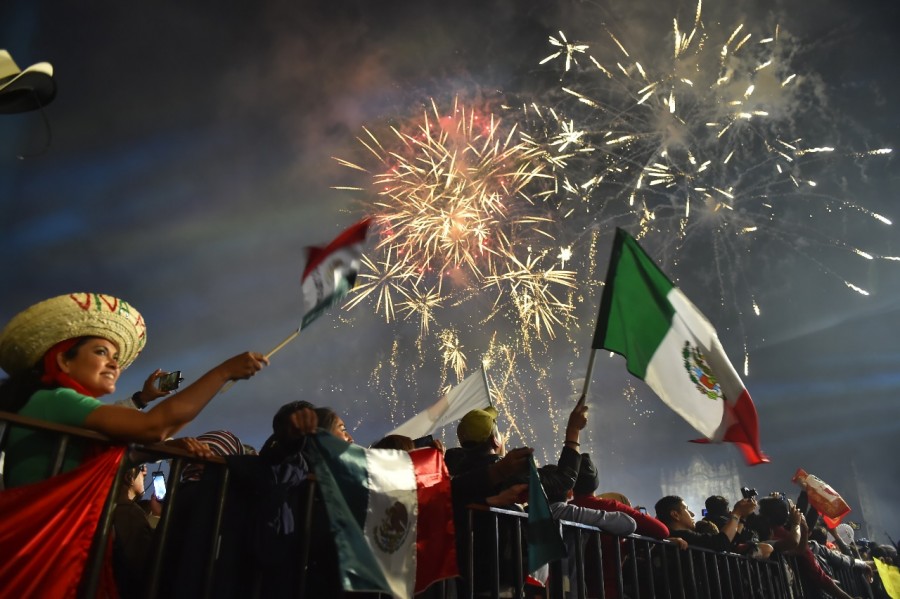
[(29, 335), (30, 89)]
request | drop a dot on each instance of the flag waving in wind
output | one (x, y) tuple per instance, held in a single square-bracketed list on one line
[(669, 344), (390, 513), (470, 394), (329, 272)]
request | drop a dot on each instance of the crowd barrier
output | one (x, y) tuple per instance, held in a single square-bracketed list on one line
[(493, 556)]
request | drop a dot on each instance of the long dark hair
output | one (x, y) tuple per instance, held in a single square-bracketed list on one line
[(16, 390)]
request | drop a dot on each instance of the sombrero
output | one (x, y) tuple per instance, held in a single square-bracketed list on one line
[(30, 89), (28, 336)]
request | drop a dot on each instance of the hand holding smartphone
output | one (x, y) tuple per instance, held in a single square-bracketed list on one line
[(159, 485), (169, 381)]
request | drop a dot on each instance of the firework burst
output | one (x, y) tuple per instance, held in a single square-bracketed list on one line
[(704, 149), (467, 226), (459, 197), (488, 228)]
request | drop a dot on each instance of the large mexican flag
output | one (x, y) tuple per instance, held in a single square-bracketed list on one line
[(391, 515), (669, 344)]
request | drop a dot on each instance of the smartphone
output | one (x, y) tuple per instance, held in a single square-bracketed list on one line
[(159, 485), (169, 381), (704, 512), (425, 441), (642, 510)]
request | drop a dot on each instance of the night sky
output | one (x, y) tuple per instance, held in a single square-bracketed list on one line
[(190, 160)]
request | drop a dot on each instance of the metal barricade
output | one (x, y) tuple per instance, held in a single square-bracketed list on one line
[(137, 454), (599, 565)]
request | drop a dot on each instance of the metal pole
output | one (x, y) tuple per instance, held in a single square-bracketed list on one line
[(587, 376), (487, 385)]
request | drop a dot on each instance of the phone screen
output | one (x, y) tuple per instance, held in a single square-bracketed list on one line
[(159, 485), (169, 381), (425, 441)]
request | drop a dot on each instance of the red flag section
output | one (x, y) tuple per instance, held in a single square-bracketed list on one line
[(435, 540), (45, 546)]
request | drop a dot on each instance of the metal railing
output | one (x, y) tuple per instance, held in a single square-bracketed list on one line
[(493, 558)]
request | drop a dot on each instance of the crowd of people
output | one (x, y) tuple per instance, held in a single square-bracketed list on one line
[(62, 355)]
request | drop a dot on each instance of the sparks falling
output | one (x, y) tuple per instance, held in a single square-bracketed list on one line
[(489, 221), (702, 153)]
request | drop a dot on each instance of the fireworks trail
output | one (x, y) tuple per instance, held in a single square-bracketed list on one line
[(705, 149), (489, 220), (467, 230)]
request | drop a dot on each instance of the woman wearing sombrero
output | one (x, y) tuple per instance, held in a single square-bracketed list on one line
[(64, 353)]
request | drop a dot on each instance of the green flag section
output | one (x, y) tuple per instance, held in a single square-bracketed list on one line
[(545, 542), (390, 513), (669, 344)]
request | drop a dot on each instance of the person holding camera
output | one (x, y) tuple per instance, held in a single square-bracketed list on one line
[(64, 353), (674, 513)]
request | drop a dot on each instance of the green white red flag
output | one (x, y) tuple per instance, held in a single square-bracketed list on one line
[(669, 344), (391, 515), (329, 272)]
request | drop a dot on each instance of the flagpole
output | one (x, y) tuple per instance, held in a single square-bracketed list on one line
[(487, 385), (277, 348), (587, 377)]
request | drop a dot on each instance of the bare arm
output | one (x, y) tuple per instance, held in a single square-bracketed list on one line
[(792, 542), (171, 414), (742, 508)]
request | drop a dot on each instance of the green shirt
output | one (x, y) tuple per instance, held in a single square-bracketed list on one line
[(29, 452)]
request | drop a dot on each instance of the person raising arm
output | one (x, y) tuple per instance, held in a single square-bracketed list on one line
[(64, 353)]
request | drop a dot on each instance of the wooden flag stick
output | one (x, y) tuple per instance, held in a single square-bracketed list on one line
[(287, 340), (277, 348)]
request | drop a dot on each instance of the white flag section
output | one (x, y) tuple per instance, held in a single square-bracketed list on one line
[(470, 394)]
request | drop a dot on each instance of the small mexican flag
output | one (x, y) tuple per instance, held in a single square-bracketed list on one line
[(391, 515), (329, 272), (669, 344)]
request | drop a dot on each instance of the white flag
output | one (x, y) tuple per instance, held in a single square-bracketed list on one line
[(470, 394)]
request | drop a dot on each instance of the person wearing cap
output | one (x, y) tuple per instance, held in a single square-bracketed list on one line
[(64, 353), (481, 443)]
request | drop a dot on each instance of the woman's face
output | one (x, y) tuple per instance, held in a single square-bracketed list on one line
[(339, 430), (95, 366)]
